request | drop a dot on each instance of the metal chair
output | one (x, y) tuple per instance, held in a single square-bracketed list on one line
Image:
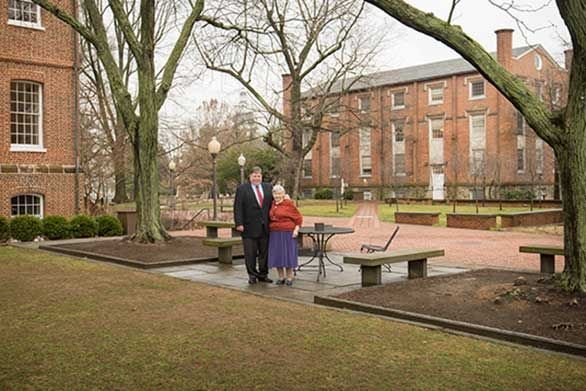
[(371, 248)]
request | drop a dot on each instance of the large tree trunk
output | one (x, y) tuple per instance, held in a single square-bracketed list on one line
[(572, 163), (119, 159)]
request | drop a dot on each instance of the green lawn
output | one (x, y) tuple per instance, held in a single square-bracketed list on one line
[(326, 208), (387, 213), (69, 324)]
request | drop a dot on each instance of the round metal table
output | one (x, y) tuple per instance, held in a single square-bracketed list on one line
[(320, 238)]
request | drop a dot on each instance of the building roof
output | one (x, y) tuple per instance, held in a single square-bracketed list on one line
[(432, 70)]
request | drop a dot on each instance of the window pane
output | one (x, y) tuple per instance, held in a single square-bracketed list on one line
[(398, 130), (437, 128), (477, 88), (400, 163), (25, 112), (398, 99), (520, 159)]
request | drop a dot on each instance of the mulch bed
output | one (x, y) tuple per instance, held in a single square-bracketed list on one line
[(522, 302), (177, 248)]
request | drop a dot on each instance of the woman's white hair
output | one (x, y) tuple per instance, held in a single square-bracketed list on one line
[(278, 189)]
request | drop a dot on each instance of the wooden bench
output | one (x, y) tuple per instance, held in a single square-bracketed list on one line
[(546, 253), (212, 228), (224, 246), (370, 264)]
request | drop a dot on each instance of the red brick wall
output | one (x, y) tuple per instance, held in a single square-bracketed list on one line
[(418, 218), (471, 221), (534, 218), (56, 189), (45, 56)]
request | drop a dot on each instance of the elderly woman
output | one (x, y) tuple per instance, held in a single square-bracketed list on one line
[(284, 224)]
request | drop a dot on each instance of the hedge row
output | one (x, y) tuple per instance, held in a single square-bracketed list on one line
[(27, 228)]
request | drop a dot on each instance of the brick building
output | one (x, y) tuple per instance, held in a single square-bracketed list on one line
[(438, 130), (38, 115)]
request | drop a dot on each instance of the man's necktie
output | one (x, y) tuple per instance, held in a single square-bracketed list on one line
[(259, 195)]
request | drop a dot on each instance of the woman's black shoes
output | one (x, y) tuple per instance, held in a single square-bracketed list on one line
[(289, 282), (280, 282)]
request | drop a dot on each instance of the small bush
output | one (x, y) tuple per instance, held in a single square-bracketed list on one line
[(323, 194), (4, 229), (109, 226), (55, 227), (83, 227), (521, 195), (25, 228), (348, 195)]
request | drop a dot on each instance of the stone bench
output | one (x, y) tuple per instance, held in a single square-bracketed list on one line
[(224, 246), (213, 226), (370, 264), (471, 220), (546, 253)]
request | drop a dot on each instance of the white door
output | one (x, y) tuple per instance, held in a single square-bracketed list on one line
[(437, 182)]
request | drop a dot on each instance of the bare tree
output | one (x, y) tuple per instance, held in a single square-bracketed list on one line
[(322, 48), (564, 130), (140, 116)]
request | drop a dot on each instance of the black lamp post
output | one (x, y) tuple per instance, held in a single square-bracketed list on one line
[(214, 148), (241, 163), (172, 167)]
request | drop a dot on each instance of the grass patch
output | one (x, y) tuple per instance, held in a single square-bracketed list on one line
[(387, 213), (326, 208), (73, 324)]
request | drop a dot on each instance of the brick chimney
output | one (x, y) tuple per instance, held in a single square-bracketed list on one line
[(286, 94), (504, 47), (568, 56)]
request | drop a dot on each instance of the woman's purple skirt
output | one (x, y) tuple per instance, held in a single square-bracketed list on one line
[(282, 249)]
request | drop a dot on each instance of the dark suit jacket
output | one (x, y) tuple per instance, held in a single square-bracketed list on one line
[(248, 213)]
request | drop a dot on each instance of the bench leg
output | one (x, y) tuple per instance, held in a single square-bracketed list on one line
[(225, 255), (211, 232), (418, 268), (547, 263), (371, 275)]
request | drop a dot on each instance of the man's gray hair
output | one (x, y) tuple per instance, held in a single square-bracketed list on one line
[(278, 189), (256, 170)]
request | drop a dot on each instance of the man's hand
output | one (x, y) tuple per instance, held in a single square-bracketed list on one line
[(240, 228)]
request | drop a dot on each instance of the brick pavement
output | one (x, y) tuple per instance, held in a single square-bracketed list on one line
[(463, 247)]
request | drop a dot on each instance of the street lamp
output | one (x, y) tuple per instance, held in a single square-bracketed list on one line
[(214, 149), (241, 163), (172, 167)]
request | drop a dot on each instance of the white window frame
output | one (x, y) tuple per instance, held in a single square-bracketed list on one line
[(362, 149), (20, 23), (521, 171), (539, 156), (394, 132), (538, 62), (335, 154), (395, 106), (41, 204), (360, 108), (310, 164), (470, 89), (430, 94), (474, 147), (433, 120), (39, 147)]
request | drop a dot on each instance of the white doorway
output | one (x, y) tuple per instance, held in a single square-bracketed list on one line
[(437, 182)]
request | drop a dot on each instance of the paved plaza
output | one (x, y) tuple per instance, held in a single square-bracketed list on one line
[(465, 249)]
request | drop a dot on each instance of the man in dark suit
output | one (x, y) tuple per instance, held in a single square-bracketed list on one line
[(251, 215)]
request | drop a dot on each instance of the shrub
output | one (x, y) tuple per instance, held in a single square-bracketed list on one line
[(55, 227), (25, 228), (348, 195), (323, 194), (522, 195), (109, 226), (83, 227), (4, 229)]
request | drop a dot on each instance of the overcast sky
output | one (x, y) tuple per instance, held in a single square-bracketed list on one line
[(478, 18)]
